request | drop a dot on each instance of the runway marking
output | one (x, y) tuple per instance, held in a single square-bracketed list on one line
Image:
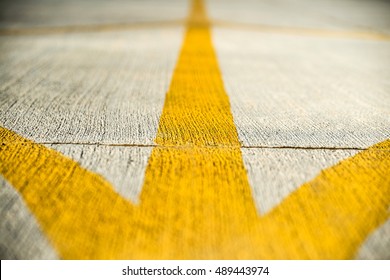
[(196, 201)]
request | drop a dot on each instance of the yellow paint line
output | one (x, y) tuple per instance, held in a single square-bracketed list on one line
[(185, 215), (196, 202), (109, 27), (334, 213), (303, 31)]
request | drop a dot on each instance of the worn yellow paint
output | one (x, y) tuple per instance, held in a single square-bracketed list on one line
[(105, 27), (304, 31), (196, 202), (189, 215)]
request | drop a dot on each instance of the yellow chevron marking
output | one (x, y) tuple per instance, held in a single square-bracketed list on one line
[(196, 202)]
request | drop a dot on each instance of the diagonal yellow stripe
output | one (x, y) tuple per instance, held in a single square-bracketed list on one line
[(333, 214), (84, 218), (196, 201)]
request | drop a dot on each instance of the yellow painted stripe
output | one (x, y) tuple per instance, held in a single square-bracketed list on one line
[(333, 214), (106, 27), (196, 177), (304, 31), (195, 216), (196, 201)]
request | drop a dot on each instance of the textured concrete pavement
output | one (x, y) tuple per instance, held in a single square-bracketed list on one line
[(304, 86)]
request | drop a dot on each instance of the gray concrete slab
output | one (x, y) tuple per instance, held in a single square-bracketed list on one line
[(21, 236), (275, 173), (123, 167), (350, 15), (377, 245), (87, 88), (49, 13), (302, 91), (97, 96)]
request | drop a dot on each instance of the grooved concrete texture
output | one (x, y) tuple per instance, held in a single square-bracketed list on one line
[(21, 236), (87, 88), (289, 90), (48, 13), (306, 91), (324, 14)]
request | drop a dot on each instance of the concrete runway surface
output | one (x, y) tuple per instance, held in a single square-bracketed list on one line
[(195, 129)]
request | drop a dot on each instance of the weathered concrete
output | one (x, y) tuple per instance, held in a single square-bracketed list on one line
[(124, 167), (47, 13), (87, 88), (348, 15), (298, 75), (21, 236), (304, 91)]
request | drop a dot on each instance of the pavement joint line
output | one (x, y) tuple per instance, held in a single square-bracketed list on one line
[(303, 148), (313, 199), (196, 203), (204, 146)]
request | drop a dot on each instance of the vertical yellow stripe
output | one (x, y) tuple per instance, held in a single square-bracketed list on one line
[(196, 178), (197, 110), (196, 201)]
